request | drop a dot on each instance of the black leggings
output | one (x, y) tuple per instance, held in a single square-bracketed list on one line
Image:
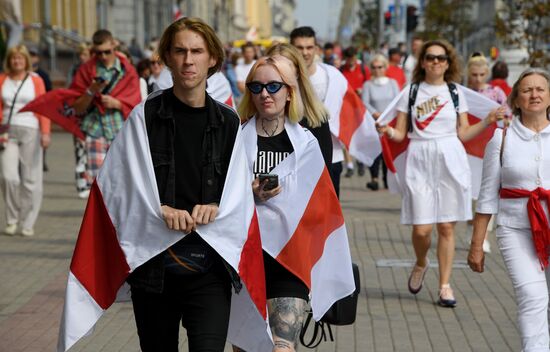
[(375, 167), (202, 304)]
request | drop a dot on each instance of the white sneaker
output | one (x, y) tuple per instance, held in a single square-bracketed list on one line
[(10, 229), (27, 232), (84, 194), (486, 246)]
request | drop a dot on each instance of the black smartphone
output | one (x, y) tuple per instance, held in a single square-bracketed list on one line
[(272, 181), (99, 79)]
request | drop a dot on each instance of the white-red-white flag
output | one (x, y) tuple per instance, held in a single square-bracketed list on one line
[(395, 154), (123, 228), (349, 119), (176, 12), (303, 227)]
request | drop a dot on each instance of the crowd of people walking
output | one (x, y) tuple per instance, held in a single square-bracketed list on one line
[(286, 105)]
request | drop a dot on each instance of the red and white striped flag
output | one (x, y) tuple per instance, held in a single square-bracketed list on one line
[(123, 228), (303, 227), (219, 88), (395, 154), (350, 121), (176, 12)]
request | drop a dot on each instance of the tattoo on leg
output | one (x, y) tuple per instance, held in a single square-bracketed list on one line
[(286, 316)]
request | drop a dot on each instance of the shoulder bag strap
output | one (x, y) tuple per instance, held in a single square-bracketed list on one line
[(412, 99), (15, 97)]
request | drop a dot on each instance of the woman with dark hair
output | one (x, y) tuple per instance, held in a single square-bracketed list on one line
[(499, 74), (437, 186), (516, 179)]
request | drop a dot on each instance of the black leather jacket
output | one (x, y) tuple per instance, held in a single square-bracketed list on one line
[(218, 141)]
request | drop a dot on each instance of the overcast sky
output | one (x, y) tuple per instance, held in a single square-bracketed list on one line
[(322, 15)]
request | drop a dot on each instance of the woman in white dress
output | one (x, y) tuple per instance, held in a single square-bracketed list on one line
[(437, 187), (515, 186)]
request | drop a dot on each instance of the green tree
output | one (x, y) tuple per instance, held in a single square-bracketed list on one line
[(526, 24), (448, 19), (367, 33)]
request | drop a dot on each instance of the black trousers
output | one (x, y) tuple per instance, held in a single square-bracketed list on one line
[(202, 304), (375, 169), (335, 171)]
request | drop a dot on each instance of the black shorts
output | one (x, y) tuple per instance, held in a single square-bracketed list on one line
[(280, 282)]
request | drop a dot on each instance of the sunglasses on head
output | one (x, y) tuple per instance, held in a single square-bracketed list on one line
[(103, 52), (271, 87), (432, 58)]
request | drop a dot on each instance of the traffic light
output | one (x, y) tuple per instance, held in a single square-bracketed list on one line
[(412, 18)]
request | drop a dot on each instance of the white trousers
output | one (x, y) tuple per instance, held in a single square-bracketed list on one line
[(21, 173), (529, 281)]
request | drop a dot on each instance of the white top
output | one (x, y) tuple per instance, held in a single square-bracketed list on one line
[(319, 82), (525, 165), (25, 96), (242, 70), (433, 113), (408, 66)]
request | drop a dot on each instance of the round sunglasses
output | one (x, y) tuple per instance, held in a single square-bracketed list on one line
[(271, 87)]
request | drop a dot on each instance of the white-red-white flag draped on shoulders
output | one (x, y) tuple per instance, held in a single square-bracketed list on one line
[(395, 154), (349, 119), (303, 227), (123, 228)]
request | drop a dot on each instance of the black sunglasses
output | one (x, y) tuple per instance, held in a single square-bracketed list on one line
[(432, 58), (103, 52), (271, 87)]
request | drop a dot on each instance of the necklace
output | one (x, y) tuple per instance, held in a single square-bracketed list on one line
[(274, 130)]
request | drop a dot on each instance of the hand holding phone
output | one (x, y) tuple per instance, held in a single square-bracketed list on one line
[(272, 181)]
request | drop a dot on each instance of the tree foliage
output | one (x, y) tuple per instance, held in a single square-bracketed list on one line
[(448, 19), (526, 24), (368, 29)]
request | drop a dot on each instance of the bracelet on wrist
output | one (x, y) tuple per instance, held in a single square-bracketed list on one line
[(89, 93)]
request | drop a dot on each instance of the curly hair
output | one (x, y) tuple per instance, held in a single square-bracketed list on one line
[(453, 72)]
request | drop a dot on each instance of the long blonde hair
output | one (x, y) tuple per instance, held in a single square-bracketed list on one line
[(294, 107), (314, 109)]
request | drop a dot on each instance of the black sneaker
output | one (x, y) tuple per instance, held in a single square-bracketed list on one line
[(372, 185), (349, 173)]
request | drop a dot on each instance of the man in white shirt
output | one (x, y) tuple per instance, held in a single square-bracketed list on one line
[(241, 70), (409, 63), (330, 85)]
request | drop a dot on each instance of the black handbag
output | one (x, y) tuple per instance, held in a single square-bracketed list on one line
[(342, 312)]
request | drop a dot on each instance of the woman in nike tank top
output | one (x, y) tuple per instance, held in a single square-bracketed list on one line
[(437, 189)]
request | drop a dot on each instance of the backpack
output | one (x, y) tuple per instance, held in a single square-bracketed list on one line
[(414, 92)]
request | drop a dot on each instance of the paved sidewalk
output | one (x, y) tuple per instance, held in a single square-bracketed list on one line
[(33, 274)]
